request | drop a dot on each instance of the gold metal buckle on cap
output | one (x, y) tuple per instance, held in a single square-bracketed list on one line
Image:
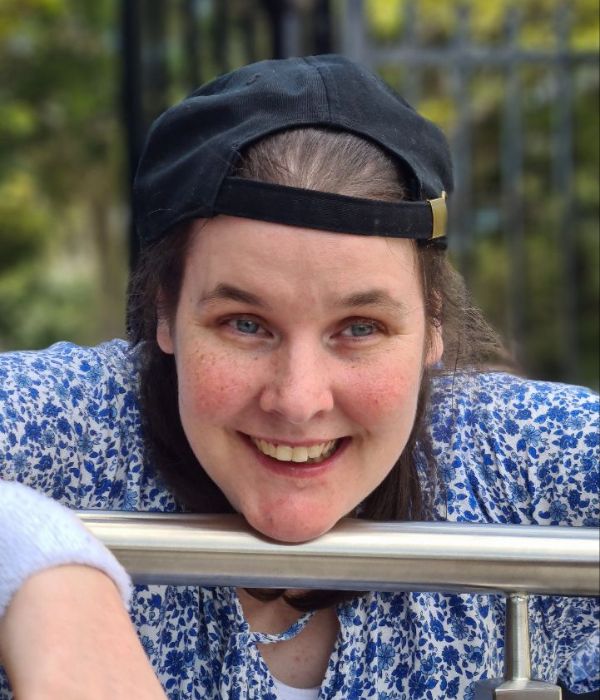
[(440, 215)]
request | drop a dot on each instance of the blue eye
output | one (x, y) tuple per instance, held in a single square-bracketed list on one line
[(245, 325), (360, 329)]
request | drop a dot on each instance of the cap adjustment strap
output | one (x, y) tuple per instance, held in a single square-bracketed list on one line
[(328, 211)]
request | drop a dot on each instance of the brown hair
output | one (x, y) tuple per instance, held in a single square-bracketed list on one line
[(320, 159)]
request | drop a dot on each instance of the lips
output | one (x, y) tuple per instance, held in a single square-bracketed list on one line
[(298, 454)]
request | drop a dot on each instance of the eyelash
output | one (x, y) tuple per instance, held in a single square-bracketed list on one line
[(376, 327)]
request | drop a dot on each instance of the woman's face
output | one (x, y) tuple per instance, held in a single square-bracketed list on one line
[(299, 357)]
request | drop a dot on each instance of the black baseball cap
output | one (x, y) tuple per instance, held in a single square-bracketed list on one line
[(185, 171)]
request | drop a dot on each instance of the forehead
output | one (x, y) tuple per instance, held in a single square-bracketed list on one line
[(245, 252)]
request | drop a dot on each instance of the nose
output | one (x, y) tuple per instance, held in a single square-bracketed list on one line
[(299, 386)]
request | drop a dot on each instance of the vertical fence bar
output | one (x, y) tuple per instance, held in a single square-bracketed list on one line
[(191, 42), (291, 29), (248, 28), (221, 35), (412, 72), (461, 212), (511, 159), (131, 101), (156, 76), (273, 11), (323, 40), (353, 32), (562, 167)]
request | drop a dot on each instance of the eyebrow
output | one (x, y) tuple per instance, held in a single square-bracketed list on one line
[(369, 297), (230, 293), (373, 297)]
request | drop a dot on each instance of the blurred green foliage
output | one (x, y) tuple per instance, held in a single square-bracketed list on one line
[(64, 221), (62, 218), (436, 22)]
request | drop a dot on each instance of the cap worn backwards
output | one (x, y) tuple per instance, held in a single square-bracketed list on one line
[(184, 171)]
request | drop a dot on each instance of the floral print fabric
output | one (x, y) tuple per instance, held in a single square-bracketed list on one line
[(508, 450)]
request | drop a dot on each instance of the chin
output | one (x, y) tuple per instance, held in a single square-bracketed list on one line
[(290, 530)]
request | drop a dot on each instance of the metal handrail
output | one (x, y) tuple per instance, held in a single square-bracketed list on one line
[(364, 555), (355, 555)]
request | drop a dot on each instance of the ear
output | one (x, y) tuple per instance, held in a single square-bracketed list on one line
[(164, 335), (436, 344)]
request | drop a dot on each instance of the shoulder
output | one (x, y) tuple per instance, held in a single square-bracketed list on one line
[(63, 381), (25, 370), (497, 389), (70, 424), (527, 448), (504, 404)]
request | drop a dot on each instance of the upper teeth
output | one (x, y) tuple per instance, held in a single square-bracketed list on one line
[(286, 453)]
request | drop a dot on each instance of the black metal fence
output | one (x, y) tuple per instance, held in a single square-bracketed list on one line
[(520, 116)]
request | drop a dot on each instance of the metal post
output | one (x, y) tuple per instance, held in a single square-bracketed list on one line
[(517, 683), (517, 654)]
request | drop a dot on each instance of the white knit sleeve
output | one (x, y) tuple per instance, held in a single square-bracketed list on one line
[(38, 533)]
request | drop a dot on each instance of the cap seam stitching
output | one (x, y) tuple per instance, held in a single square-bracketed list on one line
[(328, 97)]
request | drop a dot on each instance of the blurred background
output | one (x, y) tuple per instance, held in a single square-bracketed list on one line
[(513, 84)]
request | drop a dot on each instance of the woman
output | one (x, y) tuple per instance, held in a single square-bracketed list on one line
[(300, 351)]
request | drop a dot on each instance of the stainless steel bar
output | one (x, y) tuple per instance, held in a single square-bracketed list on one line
[(355, 555), (517, 654)]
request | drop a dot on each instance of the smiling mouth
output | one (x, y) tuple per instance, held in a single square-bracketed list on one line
[(299, 454)]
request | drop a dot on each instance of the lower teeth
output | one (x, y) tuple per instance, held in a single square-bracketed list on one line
[(312, 460), (325, 455)]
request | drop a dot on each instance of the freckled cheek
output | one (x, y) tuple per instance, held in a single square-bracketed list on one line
[(213, 387), (385, 394)]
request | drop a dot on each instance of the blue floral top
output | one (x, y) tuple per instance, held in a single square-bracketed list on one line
[(508, 449)]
